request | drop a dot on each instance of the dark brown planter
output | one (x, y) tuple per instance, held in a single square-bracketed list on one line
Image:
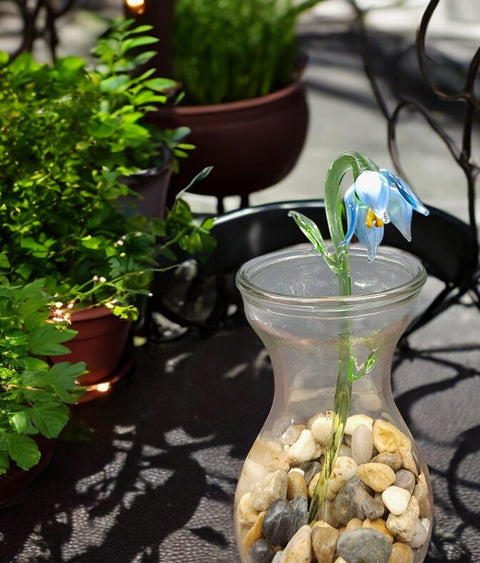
[(101, 343), (15, 482), (251, 144), (152, 186)]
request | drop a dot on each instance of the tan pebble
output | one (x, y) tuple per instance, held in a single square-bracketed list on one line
[(343, 470), (296, 485), (353, 524), (321, 524), (299, 548), (270, 488), (404, 527), (408, 461), (321, 428), (387, 437), (377, 476), (393, 460), (246, 514), (255, 532), (340, 560), (313, 484), (421, 494), (304, 448), (355, 420), (324, 543), (378, 524), (401, 553), (395, 499)]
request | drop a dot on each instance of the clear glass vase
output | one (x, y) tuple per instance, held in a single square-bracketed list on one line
[(378, 503)]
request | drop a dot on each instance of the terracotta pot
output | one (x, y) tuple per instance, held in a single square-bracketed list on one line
[(16, 481), (100, 342), (252, 144)]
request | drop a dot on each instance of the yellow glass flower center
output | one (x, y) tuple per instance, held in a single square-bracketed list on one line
[(372, 220)]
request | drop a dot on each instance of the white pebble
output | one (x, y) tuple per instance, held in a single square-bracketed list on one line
[(420, 536), (355, 419), (304, 449), (343, 470), (396, 499)]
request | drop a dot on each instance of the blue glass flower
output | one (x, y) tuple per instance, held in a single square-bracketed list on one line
[(376, 198)]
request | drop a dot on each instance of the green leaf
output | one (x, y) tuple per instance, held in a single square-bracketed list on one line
[(62, 377), (47, 340), (135, 42), (23, 450), (50, 418)]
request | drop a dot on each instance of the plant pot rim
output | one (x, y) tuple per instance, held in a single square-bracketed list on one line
[(308, 304), (90, 312)]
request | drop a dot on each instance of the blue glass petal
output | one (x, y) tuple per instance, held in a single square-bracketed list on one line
[(370, 238), (400, 213), (406, 192), (351, 203), (373, 189)]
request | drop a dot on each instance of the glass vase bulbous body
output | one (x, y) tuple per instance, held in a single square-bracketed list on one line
[(380, 486)]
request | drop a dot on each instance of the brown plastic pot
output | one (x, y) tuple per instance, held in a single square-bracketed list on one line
[(251, 144), (100, 342), (15, 482)]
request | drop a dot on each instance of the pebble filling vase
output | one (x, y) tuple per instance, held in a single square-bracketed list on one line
[(378, 505)]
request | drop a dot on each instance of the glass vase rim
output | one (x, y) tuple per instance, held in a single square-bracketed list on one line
[(399, 292)]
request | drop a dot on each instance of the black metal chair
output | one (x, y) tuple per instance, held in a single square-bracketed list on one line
[(444, 244)]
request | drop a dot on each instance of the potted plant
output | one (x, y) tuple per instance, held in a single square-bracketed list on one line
[(67, 138), (240, 70), (34, 395)]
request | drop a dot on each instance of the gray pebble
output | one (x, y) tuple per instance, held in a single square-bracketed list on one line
[(405, 479), (260, 552), (365, 545), (279, 522)]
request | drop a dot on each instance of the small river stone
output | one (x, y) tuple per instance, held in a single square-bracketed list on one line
[(324, 543), (279, 522), (300, 509), (404, 527), (378, 524), (420, 536), (405, 479), (387, 437), (296, 485), (310, 468), (246, 514), (343, 470), (396, 499), (393, 460), (273, 486), (364, 545), (362, 444), (304, 448), (353, 501), (321, 428), (261, 552), (401, 553), (377, 476), (355, 420), (254, 533), (421, 494), (299, 548)]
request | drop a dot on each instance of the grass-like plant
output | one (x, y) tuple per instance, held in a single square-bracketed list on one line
[(226, 50)]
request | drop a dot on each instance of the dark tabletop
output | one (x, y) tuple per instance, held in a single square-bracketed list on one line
[(153, 475)]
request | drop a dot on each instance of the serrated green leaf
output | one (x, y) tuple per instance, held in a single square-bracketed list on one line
[(62, 377), (50, 418), (23, 450), (47, 340)]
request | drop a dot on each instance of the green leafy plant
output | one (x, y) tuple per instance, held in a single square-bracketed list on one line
[(34, 396), (67, 136), (225, 50)]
